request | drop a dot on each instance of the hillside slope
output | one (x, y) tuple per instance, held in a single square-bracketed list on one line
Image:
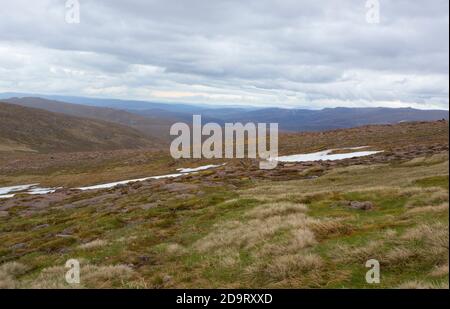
[(154, 127), (31, 129), (301, 225)]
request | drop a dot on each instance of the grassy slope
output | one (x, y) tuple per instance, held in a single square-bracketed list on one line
[(266, 234), (224, 229), (24, 128), (155, 127)]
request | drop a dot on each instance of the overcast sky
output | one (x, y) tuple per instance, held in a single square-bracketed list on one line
[(293, 53)]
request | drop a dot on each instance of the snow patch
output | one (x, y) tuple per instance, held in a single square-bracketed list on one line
[(326, 155), (182, 171), (6, 190)]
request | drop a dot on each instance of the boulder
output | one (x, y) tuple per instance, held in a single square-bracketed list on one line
[(366, 205)]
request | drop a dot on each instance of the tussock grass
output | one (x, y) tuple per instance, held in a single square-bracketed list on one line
[(399, 255), (108, 276), (420, 285), (93, 244), (342, 253), (435, 235), (287, 266), (9, 273), (277, 208), (428, 209), (440, 270), (249, 233), (175, 249)]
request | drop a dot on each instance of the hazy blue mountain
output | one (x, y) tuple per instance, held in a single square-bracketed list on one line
[(119, 104), (163, 114), (335, 118)]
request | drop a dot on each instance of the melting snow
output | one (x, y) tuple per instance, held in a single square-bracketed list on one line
[(325, 155), (6, 190), (34, 189), (27, 189), (6, 195), (123, 182), (196, 169), (42, 190), (182, 171)]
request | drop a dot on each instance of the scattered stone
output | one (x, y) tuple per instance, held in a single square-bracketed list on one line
[(18, 246), (4, 213), (366, 205), (64, 235)]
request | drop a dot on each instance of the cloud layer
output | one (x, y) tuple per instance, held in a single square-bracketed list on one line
[(295, 53)]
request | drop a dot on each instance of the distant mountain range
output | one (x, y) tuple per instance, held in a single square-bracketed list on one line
[(32, 129), (151, 126), (336, 118), (154, 119)]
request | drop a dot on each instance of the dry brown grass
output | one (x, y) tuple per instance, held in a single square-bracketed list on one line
[(90, 276), (106, 276), (228, 258), (415, 284), (288, 266), (426, 209), (175, 249), (51, 278), (399, 255), (433, 235), (348, 253), (276, 209), (422, 242), (328, 227), (296, 241), (7, 282), (440, 270), (436, 158), (427, 196), (9, 273), (247, 234)]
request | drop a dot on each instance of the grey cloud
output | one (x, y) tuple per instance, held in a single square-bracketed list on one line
[(286, 52)]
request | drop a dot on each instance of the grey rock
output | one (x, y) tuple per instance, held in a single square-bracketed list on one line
[(18, 246), (366, 205)]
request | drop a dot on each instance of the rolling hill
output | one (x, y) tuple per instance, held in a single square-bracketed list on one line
[(32, 129), (152, 125)]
